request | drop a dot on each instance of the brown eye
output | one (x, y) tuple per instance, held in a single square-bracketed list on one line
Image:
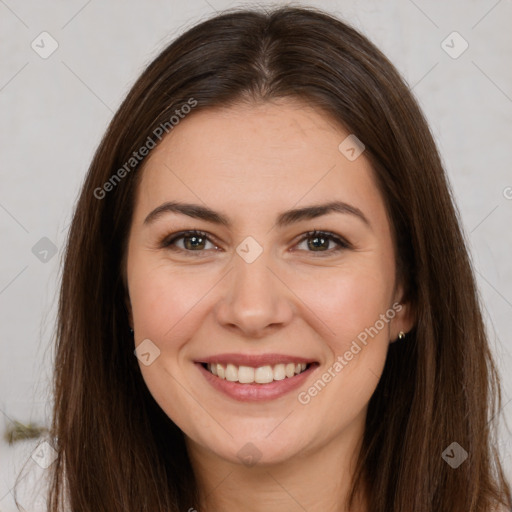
[(192, 241), (319, 241)]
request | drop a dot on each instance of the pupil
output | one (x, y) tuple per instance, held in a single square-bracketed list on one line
[(194, 241), (315, 242)]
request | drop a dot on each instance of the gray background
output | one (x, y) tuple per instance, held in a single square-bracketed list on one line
[(55, 110)]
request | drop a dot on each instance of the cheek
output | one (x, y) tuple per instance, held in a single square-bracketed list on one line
[(353, 306), (342, 301), (347, 300), (163, 303), (162, 298)]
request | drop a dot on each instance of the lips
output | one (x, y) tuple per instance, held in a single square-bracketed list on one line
[(256, 377)]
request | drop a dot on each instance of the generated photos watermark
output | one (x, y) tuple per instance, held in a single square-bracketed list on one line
[(151, 142), (304, 397)]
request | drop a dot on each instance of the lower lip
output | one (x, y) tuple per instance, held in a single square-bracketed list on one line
[(256, 392)]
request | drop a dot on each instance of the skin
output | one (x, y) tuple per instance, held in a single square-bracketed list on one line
[(250, 163)]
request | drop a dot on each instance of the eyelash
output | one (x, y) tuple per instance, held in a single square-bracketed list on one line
[(168, 243)]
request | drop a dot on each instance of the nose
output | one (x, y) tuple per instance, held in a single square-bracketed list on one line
[(254, 298)]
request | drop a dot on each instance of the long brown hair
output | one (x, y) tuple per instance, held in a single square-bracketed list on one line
[(117, 450)]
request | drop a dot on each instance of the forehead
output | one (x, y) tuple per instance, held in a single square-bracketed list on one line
[(258, 157)]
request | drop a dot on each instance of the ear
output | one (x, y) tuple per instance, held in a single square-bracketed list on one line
[(405, 316)]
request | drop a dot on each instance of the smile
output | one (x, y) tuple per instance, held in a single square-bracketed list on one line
[(252, 378), (260, 375)]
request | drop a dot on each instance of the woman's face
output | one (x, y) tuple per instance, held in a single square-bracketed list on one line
[(253, 293)]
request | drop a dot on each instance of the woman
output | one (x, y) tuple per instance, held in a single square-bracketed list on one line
[(208, 357)]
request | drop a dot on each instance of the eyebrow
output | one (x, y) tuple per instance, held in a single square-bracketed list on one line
[(286, 218)]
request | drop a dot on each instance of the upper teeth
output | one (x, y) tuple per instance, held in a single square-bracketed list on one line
[(260, 375)]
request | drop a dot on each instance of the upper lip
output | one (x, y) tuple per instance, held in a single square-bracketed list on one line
[(254, 360)]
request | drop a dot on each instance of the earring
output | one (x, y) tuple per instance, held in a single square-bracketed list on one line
[(401, 335), (131, 331)]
